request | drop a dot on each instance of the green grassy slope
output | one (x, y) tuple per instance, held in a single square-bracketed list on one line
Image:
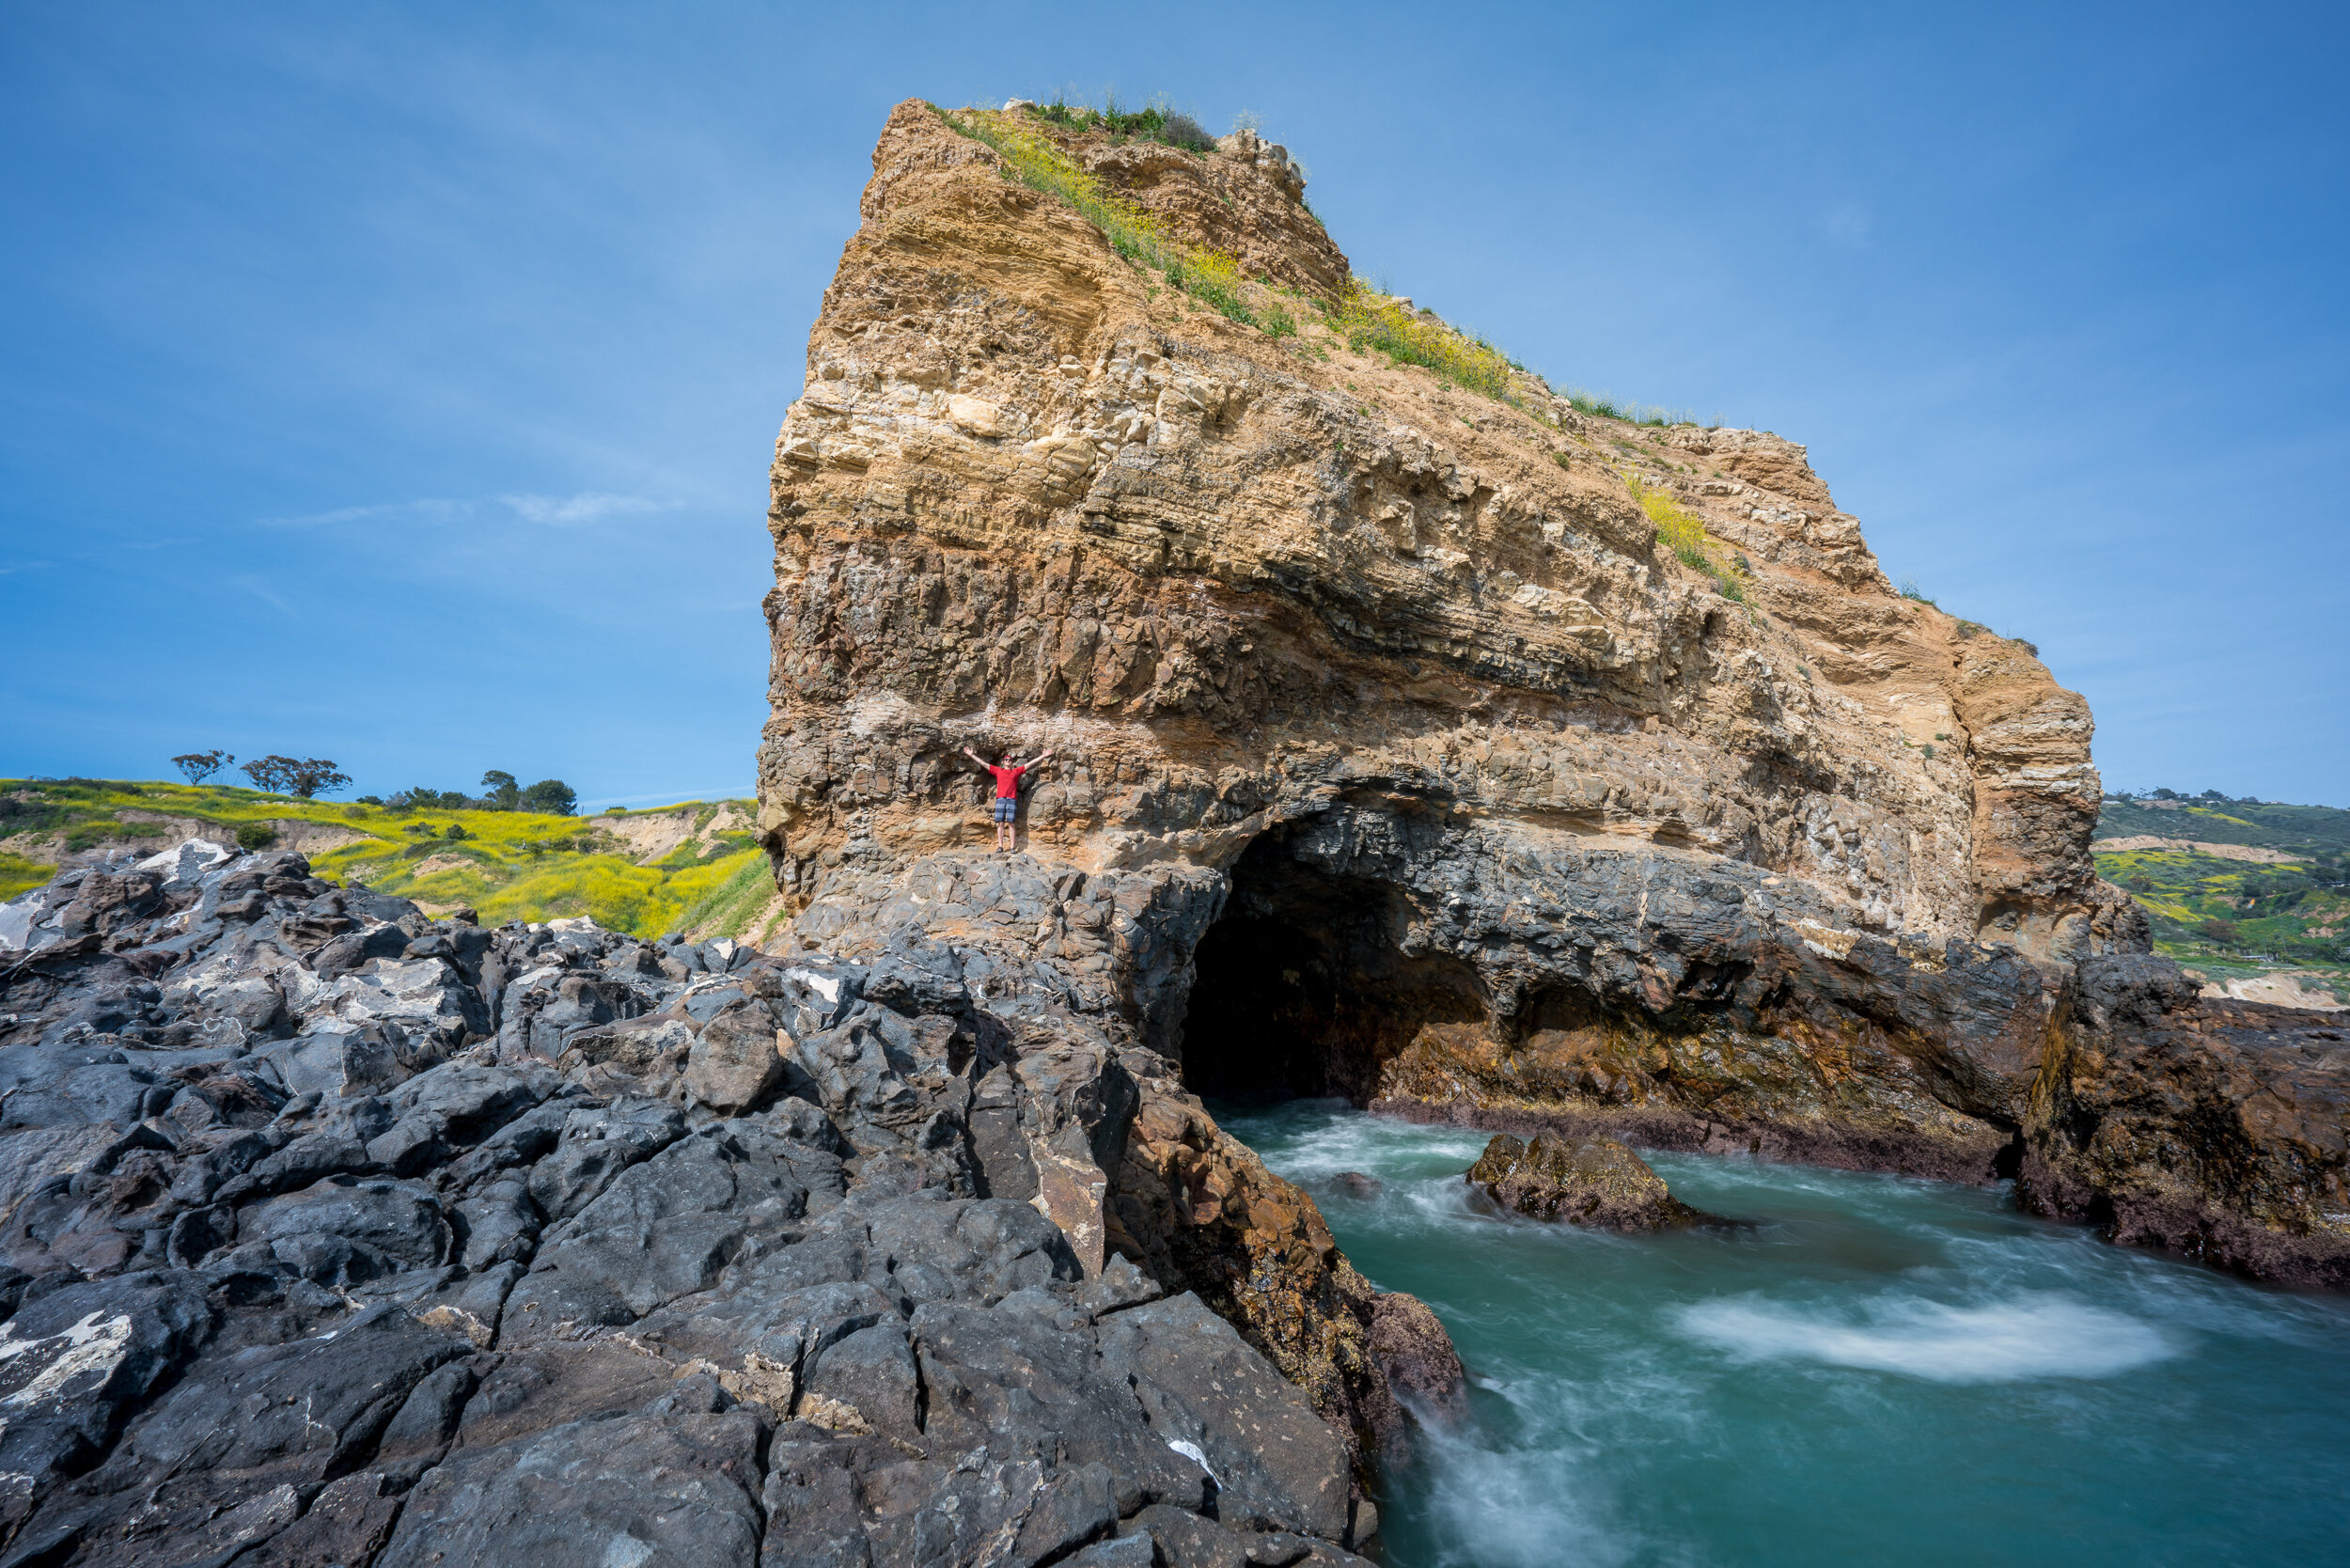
[(2236, 916), (693, 866), (2311, 831)]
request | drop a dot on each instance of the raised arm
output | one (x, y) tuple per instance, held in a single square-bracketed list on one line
[(1037, 761), (975, 755)]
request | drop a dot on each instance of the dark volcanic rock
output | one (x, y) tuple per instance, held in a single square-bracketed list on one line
[(2213, 1128), (671, 1485), (1588, 1181), (338, 1235)]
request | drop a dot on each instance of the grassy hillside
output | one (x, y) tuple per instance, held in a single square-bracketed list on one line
[(2229, 915), (692, 866), (2317, 833)]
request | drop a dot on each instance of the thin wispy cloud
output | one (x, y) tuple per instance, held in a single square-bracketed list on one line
[(263, 591), (588, 506), (578, 509), (427, 506), (23, 566)]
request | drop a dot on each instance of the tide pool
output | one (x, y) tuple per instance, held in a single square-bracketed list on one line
[(1878, 1371)]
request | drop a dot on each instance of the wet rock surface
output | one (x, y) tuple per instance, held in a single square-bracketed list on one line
[(1597, 1182), (334, 1233), (2207, 1126)]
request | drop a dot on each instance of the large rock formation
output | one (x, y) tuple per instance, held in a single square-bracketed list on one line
[(1396, 754)]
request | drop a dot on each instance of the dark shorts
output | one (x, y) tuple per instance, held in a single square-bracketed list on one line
[(1006, 807)]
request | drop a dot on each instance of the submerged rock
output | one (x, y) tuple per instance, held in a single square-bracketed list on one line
[(1585, 1181)]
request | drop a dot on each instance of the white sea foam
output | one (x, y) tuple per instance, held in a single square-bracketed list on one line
[(1515, 1508), (2005, 1341)]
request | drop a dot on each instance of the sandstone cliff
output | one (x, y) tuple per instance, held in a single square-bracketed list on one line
[(1452, 750)]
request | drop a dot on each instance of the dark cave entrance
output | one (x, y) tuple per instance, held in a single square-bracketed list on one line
[(1303, 988)]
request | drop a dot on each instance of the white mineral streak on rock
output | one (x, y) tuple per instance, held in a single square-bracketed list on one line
[(95, 1344)]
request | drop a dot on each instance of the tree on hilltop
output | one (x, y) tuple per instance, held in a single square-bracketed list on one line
[(550, 796), (503, 790), (301, 778), (201, 765)]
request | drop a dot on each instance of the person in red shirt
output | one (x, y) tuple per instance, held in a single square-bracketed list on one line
[(1007, 793)]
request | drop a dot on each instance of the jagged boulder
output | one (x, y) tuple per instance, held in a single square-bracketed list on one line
[(1586, 1181)]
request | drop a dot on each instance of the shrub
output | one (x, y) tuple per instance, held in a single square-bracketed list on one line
[(1213, 279), (1911, 590), (456, 830), (1368, 321), (1184, 131), (255, 836), (1685, 535)]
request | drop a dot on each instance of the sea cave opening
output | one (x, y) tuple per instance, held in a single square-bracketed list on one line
[(1303, 987)]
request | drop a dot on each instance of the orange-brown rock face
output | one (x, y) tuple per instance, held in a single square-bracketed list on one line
[(1032, 497), (1394, 753)]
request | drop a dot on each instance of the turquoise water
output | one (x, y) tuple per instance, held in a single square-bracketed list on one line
[(1882, 1371)]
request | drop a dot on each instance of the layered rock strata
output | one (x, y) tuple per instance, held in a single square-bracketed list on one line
[(333, 1233), (1398, 754)]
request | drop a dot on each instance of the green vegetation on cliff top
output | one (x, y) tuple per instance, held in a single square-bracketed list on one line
[(693, 866)]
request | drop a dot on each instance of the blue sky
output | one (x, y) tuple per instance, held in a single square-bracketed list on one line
[(396, 384)]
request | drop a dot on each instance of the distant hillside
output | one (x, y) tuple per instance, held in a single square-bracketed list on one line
[(692, 866), (2234, 887)]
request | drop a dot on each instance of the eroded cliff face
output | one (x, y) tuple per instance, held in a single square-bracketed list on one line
[(1374, 648), (1030, 495), (1395, 754)]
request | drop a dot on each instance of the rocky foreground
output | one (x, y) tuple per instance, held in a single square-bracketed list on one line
[(336, 1234)]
